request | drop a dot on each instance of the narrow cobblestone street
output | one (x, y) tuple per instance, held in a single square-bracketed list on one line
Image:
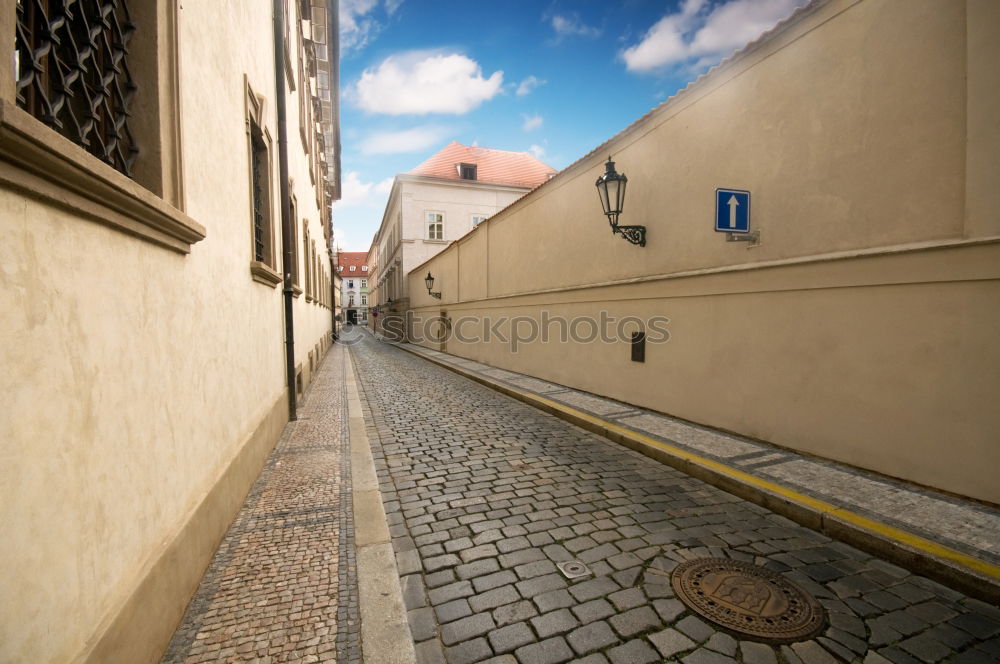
[(484, 495)]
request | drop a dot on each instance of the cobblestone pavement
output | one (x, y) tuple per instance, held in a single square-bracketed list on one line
[(484, 495), (962, 525), (281, 587)]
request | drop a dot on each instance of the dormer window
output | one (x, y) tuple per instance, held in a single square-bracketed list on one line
[(467, 171), (353, 267)]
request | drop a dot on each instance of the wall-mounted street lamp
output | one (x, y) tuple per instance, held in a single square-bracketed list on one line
[(429, 280), (611, 189)]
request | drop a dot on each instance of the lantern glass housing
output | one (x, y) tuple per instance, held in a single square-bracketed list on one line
[(611, 189), (429, 280)]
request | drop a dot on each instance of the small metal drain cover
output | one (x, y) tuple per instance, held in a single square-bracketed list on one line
[(748, 599), (573, 569)]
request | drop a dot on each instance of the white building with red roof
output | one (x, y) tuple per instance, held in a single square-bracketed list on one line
[(353, 268), (441, 200)]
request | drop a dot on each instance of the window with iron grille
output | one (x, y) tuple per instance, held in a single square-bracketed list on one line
[(263, 263), (73, 74)]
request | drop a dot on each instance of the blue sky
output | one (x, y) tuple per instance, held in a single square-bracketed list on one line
[(554, 78)]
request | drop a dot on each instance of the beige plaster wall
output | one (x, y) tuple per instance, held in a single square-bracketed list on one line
[(143, 388), (863, 327)]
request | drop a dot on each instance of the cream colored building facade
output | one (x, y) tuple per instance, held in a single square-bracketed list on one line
[(440, 201), (864, 326), (143, 335)]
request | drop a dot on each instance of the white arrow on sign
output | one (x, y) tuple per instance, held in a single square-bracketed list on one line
[(733, 204)]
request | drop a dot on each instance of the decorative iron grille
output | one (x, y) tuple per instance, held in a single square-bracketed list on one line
[(72, 73), (258, 166)]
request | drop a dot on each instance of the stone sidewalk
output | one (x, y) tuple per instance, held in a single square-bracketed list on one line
[(282, 585), (485, 495), (956, 540)]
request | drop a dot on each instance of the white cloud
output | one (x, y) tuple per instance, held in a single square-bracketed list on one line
[(422, 82), (358, 25), (527, 85), (537, 150), (406, 140), (703, 34), (355, 193), (572, 26), (532, 122)]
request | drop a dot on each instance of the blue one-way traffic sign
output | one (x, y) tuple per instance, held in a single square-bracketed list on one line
[(732, 211)]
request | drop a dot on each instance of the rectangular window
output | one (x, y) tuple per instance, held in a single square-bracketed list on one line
[(353, 267), (261, 197), (350, 283), (467, 171), (364, 283), (263, 265), (477, 219), (294, 267), (364, 299), (435, 226)]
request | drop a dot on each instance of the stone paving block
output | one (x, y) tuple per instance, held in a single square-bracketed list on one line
[(703, 656), (979, 626), (594, 588), (554, 622), (510, 637), (549, 651), (453, 610), (423, 624), (537, 568), (723, 643), (430, 652), (494, 598), (413, 591), (512, 544), (597, 609), (440, 562), (477, 568), (477, 552), (670, 642), (596, 658), (450, 592), (467, 628), (757, 653), (540, 584), (540, 539), (627, 599), (495, 580), (520, 557), (633, 652), (408, 562), (468, 652), (695, 628), (516, 612), (635, 621), (554, 599), (594, 636)]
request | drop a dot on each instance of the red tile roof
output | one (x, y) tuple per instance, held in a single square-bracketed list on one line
[(518, 169), (346, 259)]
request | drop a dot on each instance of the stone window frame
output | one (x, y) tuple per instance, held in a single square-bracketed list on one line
[(265, 271), (38, 162)]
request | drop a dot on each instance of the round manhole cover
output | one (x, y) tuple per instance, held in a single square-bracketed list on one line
[(748, 599)]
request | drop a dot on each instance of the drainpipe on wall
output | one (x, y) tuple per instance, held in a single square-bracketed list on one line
[(286, 203), (333, 58)]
